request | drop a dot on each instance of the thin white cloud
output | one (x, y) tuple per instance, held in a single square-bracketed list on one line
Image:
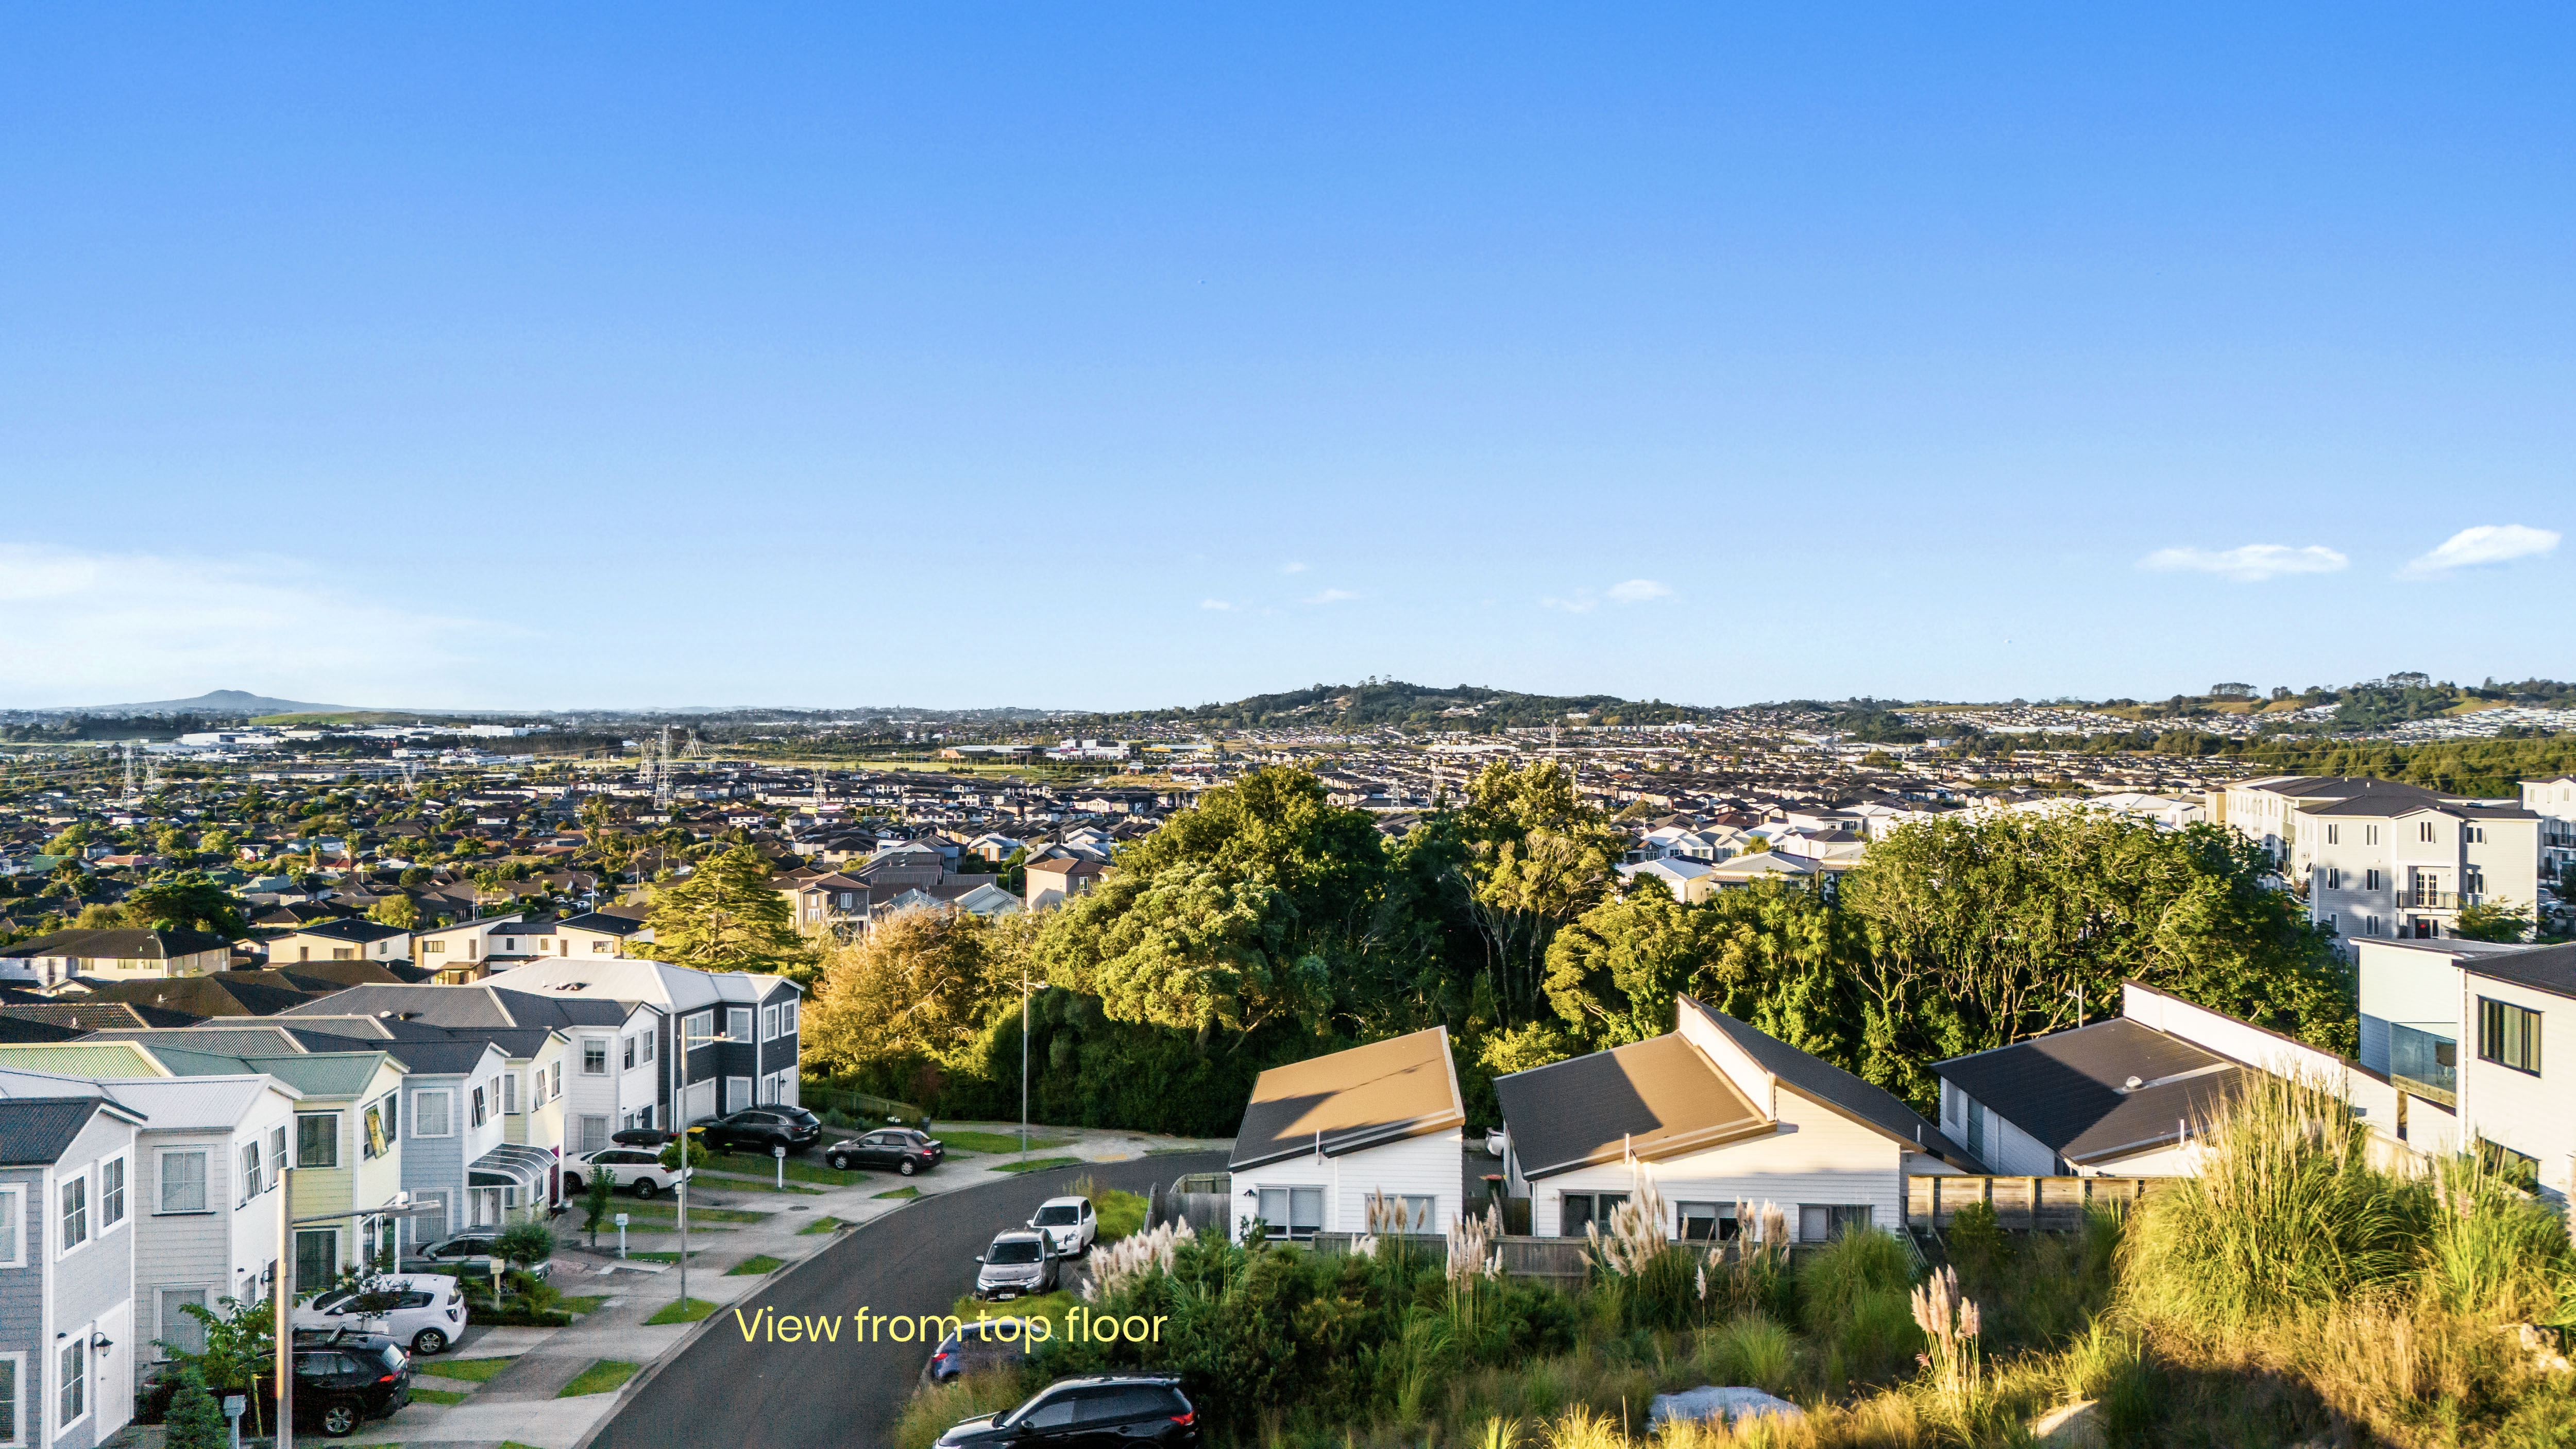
[(1583, 602), (1638, 591), (106, 628), (2250, 564), (1330, 596), (2488, 543), (1214, 604), (1292, 568)]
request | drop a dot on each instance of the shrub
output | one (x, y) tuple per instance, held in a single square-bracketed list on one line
[(528, 1243), (1751, 1350), (195, 1420)]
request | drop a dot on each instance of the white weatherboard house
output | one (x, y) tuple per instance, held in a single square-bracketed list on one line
[(1725, 1120), (2486, 1035), (1322, 1137)]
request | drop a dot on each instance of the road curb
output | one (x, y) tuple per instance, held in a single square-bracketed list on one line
[(679, 1346)]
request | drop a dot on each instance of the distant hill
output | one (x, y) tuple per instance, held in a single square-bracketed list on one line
[(213, 702), (1383, 704)]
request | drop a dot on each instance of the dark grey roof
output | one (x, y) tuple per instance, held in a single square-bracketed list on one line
[(605, 924), (122, 944), (1659, 1098), (2068, 1089), (36, 1130), (1826, 1082), (365, 933), (2547, 968)]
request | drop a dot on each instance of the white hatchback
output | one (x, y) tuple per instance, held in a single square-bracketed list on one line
[(1070, 1225), (423, 1310), (633, 1168)]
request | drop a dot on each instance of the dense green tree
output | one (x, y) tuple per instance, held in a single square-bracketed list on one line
[(188, 902), (396, 911), (921, 986), (2497, 920), (725, 917), (1537, 857)]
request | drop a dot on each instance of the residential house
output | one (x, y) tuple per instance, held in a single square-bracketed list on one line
[(1676, 873), (1725, 1120), (2487, 1032), (1364, 1140), (120, 955), (2554, 801), (1054, 881), (68, 1341), (2378, 859), (726, 1039), (462, 953), (2125, 1097), (342, 940), (599, 933)]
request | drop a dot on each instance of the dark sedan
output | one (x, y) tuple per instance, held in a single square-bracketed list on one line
[(899, 1148), (1119, 1411), (341, 1382), (762, 1128)]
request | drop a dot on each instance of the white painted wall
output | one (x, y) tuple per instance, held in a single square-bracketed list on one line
[(1816, 1156), (2517, 1109), (1433, 1165)]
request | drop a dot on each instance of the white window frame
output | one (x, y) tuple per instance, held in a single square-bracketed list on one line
[(787, 1016), (555, 1087), (769, 1023), (303, 1117), (62, 1212), (205, 1181), (697, 1027), (124, 1198), (446, 1106), (14, 1423), (280, 1143), (246, 1158), (13, 1234), (77, 1343), (161, 1311), (648, 1034), (509, 1094), (743, 1014), (626, 1053), (482, 1113), (598, 1044)]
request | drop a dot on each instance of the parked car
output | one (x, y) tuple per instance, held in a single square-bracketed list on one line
[(1018, 1264), (425, 1311), (975, 1347), (1070, 1224), (900, 1148), (341, 1381), (759, 1129), (630, 1168), (1119, 1410), (465, 1255)]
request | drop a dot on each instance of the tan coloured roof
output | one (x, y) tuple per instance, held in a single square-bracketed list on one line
[(1382, 1092)]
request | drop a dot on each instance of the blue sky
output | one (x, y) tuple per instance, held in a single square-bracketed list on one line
[(1117, 356)]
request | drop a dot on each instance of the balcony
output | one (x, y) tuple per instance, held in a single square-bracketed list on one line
[(2424, 1064), (2430, 900)]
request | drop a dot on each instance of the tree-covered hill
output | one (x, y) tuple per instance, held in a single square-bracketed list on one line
[(1391, 703)]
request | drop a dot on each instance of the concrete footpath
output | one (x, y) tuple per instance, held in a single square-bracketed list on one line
[(511, 1383)]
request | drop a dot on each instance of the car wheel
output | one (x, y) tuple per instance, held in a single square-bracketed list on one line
[(339, 1419), (644, 1187), (572, 1182), (906, 1167), (838, 1162), (429, 1342)]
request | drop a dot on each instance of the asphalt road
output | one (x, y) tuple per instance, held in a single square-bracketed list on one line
[(764, 1395)]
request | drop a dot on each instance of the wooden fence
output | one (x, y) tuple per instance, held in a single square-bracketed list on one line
[(1199, 1200), (1556, 1260), (2043, 1204)]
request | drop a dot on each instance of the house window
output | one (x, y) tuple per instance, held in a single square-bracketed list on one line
[(75, 1381), (2509, 1035), (594, 1134), (1976, 1131), (769, 1023), (599, 948), (2370, 880), (9, 1363), (12, 1242), (1295, 1213), (737, 1093), (1584, 1208), (2370, 835), (179, 1328), (2474, 834), (1400, 1214), (111, 1193), (627, 1054), (2334, 879), (555, 1087), (1822, 1222), (738, 1023), (594, 1057), (698, 1028), (276, 1156), (787, 1017), (249, 1171), (75, 1212), (2334, 835), (510, 1094), (344, 953), (2424, 830), (1705, 1222), (379, 1125), (431, 1225), (2519, 1168), (430, 1114), (317, 1257), (317, 1139), (433, 948), (478, 1107), (647, 1038), (183, 1182)]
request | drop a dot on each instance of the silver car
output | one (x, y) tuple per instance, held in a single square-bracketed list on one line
[(1018, 1265)]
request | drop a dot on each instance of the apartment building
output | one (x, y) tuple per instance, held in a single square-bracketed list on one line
[(2376, 859), (2554, 801), (2486, 1032), (726, 1039)]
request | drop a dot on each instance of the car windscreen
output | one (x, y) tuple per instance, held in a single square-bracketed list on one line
[(1019, 1252), (334, 1302), (1059, 1217)]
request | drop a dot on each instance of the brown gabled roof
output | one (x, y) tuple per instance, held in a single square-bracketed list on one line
[(1655, 1098), (1385, 1091)]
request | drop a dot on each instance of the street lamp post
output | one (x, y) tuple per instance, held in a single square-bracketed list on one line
[(282, 1292), (1024, 1057), (680, 1140)]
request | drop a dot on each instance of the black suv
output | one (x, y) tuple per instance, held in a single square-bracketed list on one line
[(342, 1380), (900, 1148), (762, 1128), (1087, 1412)]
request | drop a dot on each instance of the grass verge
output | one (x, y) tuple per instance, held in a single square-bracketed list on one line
[(600, 1378), (1034, 1164), (900, 1192), (819, 1225), (661, 1211), (745, 1182), (472, 1370), (1050, 1306), (755, 1265), (937, 1406), (587, 1304), (996, 1142), (437, 1396), (660, 1256), (690, 1312)]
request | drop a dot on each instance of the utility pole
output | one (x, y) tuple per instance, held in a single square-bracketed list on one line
[(1024, 1056)]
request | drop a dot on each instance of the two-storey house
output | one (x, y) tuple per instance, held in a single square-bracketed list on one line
[(727, 1039), (2376, 859), (2487, 1035), (68, 1340)]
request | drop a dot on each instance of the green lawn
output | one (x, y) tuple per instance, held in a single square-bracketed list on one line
[(819, 1225), (1049, 1306), (754, 1266), (661, 1211), (997, 1141), (1121, 1213), (437, 1396), (660, 1257), (582, 1305), (472, 1370), (691, 1312), (745, 1182), (600, 1378), (1034, 1164), (766, 1168), (901, 1192)]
